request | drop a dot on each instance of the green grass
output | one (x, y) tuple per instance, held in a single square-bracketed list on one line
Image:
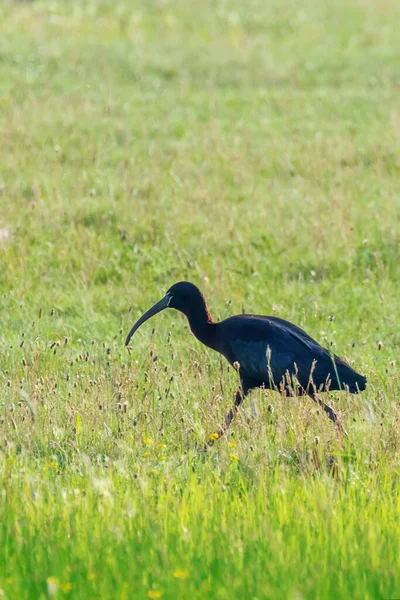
[(249, 147)]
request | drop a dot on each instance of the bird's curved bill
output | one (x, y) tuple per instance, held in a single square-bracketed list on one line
[(161, 305)]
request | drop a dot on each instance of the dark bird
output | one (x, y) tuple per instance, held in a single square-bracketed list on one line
[(268, 352)]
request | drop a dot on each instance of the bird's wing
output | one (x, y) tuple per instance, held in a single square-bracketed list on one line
[(267, 347)]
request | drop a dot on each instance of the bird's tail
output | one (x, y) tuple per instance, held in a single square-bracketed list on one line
[(347, 377)]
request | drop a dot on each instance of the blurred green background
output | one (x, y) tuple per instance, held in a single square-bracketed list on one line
[(253, 149)]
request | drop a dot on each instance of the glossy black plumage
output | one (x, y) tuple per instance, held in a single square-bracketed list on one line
[(267, 351), (267, 348)]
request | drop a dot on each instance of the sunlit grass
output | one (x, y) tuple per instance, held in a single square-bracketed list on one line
[(251, 148)]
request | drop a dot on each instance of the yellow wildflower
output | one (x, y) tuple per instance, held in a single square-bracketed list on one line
[(233, 457), (214, 436), (163, 458), (161, 446), (154, 594), (146, 454), (232, 444), (66, 587), (91, 576), (52, 586), (181, 573), (148, 441)]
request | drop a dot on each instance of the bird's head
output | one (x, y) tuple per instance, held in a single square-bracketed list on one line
[(182, 296)]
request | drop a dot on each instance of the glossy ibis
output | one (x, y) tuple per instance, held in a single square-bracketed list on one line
[(268, 352)]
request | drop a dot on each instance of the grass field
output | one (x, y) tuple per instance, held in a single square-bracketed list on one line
[(252, 148)]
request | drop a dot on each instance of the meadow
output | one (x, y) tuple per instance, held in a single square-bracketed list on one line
[(253, 149)]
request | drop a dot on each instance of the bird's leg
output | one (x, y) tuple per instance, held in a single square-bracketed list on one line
[(329, 411), (228, 419)]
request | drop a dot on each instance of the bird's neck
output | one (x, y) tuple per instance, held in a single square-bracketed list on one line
[(202, 325)]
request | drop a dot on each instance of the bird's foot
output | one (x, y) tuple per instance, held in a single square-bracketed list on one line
[(213, 438)]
